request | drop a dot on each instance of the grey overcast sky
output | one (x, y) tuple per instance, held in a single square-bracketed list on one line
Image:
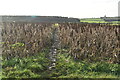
[(67, 8)]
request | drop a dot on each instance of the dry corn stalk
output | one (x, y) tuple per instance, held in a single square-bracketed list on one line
[(94, 42)]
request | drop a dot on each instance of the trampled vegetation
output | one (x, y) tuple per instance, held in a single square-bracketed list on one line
[(85, 50)]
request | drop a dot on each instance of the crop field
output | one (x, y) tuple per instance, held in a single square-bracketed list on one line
[(99, 20), (82, 50)]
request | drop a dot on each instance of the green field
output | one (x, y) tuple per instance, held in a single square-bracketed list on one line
[(98, 20), (67, 67)]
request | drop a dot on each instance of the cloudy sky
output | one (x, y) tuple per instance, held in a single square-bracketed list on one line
[(68, 8)]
